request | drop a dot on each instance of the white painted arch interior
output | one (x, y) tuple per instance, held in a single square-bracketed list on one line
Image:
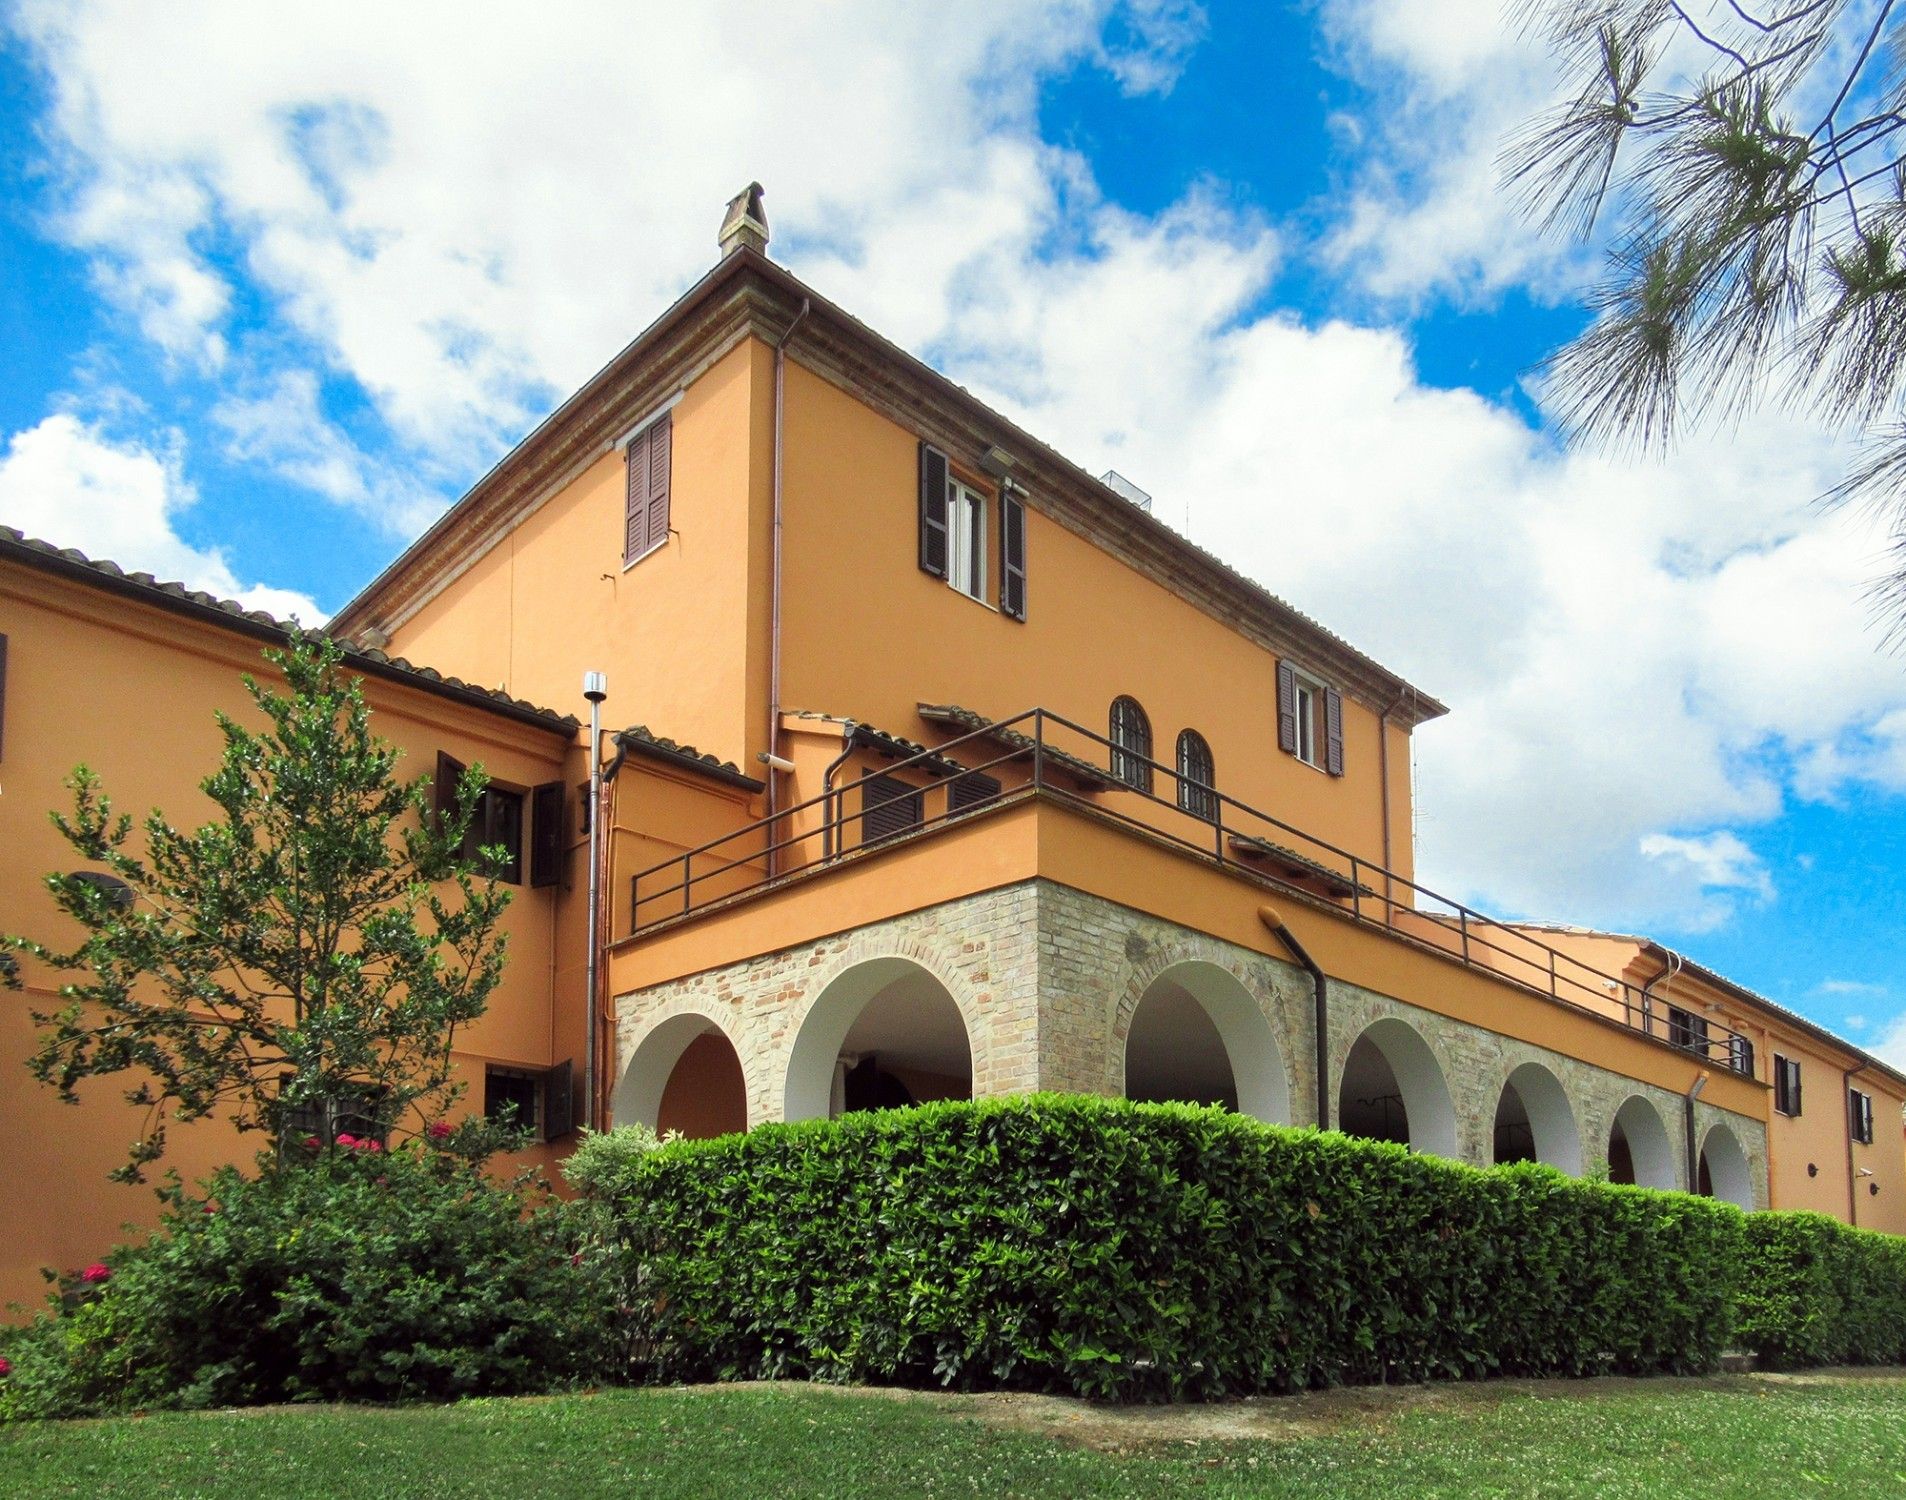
[(1534, 1101), (1724, 1168), (1639, 1148), (891, 1007), (1393, 1088), (638, 1094), (1199, 1036)]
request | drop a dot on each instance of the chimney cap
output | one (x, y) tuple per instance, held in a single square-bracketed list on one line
[(745, 224)]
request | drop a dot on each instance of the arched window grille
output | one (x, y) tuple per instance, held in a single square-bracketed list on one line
[(1131, 744), (1197, 777)]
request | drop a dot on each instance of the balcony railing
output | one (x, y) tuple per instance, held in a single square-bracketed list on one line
[(1053, 757)]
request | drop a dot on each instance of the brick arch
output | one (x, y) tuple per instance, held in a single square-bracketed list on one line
[(1232, 996), (649, 1052), (1438, 1097), (1555, 1117), (878, 959), (1190, 947)]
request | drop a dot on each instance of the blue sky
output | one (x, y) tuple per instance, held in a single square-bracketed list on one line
[(273, 289)]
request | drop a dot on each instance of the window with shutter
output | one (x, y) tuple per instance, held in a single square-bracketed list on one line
[(1131, 744), (888, 807), (546, 834), (513, 1095), (971, 789), (1197, 777), (649, 459), (934, 478), (1012, 554), (1333, 731), (559, 1100), (1861, 1112), (1287, 708), (443, 790), (1740, 1055), (1786, 1085), (1688, 1030)]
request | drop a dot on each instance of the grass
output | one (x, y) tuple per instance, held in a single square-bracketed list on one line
[(1839, 1435)]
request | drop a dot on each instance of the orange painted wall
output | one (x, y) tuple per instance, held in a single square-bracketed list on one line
[(130, 690), (682, 634), (867, 635)]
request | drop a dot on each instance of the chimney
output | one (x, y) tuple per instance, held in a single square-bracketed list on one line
[(745, 225)]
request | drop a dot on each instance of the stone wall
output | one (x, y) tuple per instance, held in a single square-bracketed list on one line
[(1048, 979)]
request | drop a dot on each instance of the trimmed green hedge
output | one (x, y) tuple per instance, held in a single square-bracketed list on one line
[(1115, 1249), (1814, 1292)]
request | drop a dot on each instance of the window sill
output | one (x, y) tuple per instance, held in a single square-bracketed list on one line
[(648, 552)]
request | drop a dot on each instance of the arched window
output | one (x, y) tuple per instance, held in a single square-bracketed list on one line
[(1131, 744), (1197, 777)]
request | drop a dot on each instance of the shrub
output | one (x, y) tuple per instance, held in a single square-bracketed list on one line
[(1815, 1292), (1126, 1250), (356, 1274)]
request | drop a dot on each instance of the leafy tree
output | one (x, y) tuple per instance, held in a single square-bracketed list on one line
[(302, 962), (1748, 158)]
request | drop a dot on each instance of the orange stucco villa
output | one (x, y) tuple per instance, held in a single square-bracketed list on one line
[(943, 768)]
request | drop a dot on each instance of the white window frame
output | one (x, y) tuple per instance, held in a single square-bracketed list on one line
[(1308, 698), (966, 530)]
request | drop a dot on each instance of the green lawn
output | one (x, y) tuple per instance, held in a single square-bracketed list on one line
[(1747, 1436)]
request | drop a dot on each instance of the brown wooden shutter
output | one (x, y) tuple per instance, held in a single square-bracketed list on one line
[(1012, 554), (933, 481), (1333, 731), (546, 834), (559, 1100), (444, 790), (635, 530), (888, 807), (661, 443), (971, 789), (1287, 708)]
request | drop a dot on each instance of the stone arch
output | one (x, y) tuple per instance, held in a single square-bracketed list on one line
[(1534, 1110), (1724, 1170), (1392, 1087), (1640, 1150), (902, 1009), (1197, 1033), (652, 1064)]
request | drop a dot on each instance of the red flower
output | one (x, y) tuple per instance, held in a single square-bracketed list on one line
[(6, 1368), (347, 1140), (312, 1143), (211, 1208), (96, 1273), (367, 1144), (438, 1131), (575, 1260)]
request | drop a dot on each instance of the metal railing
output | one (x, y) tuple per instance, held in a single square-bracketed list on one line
[(1051, 752)]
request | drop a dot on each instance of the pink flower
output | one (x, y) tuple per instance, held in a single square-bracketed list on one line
[(366, 1144), (347, 1140), (575, 1260), (6, 1367), (96, 1273), (312, 1143), (438, 1131)]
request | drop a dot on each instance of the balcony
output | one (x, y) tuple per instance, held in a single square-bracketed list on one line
[(1041, 758)]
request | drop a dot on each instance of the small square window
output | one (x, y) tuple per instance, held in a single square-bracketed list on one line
[(514, 1095)]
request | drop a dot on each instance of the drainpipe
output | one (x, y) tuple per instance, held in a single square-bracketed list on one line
[(1320, 994), (1670, 967), (595, 687), (1846, 1113), (774, 596), (1383, 775), (827, 789), (1694, 1146), (601, 832)]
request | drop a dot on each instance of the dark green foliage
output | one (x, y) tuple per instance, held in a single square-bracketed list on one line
[(1814, 1292), (308, 954), (1130, 1250), (355, 1274)]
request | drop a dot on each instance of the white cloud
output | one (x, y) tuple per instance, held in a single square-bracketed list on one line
[(1851, 987), (66, 483), (1890, 1045), (463, 212)]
